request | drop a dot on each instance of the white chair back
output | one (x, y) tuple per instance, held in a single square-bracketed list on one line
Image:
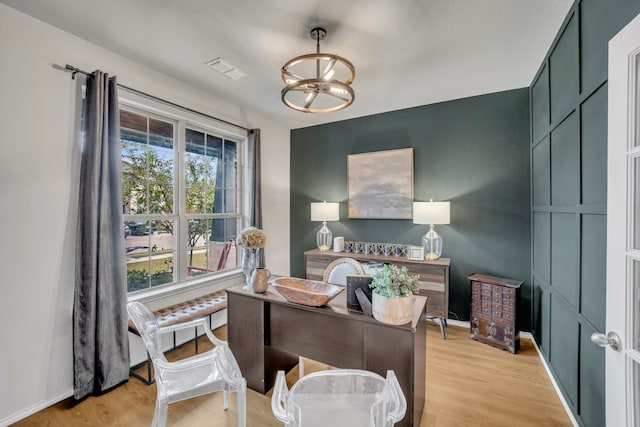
[(337, 271), (339, 398)]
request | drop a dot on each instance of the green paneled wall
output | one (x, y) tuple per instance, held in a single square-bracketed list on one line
[(473, 152), (568, 182), (565, 255), (594, 152), (564, 76)]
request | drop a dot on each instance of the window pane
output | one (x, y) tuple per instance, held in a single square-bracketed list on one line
[(230, 197), (135, 124), (201, 171), (635, 393), (195, 141), (161, 253), (161, 133), (147, 164), (214, 150), (229, 165), (230, 151), (636, 207), (160, 185), (230, 190), (226, 230), (214, 146), (134, 171), (211, 245), (149, 251), (637, 119), (635, 315), (230, 176), (198, 262)]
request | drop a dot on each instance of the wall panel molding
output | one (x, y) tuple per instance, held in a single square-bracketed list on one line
[(576, 65)]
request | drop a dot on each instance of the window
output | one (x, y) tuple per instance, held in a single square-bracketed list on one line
[(181, 196)]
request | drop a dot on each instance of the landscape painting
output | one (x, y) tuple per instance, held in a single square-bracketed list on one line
[(381, 184)]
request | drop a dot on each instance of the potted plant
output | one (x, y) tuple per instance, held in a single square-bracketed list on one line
[(393, 288)]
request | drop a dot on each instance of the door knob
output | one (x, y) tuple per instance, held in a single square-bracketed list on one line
[(611, 339)]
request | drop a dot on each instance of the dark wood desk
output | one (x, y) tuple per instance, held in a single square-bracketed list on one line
[(266, 333)]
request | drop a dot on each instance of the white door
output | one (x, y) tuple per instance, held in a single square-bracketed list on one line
[(623, 231)]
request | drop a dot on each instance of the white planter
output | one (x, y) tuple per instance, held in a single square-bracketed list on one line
[(394, 311)]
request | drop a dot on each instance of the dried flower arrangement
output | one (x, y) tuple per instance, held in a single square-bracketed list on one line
[(252, 238)]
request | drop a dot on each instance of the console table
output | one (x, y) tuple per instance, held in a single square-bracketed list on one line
[(266, 333), (434, 276)]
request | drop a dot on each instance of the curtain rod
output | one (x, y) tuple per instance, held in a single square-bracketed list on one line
[(75, 70)]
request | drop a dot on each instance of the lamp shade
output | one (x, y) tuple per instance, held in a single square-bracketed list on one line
[(431, 212), (325, 211)]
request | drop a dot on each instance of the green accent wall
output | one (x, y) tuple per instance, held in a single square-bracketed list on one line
[(568, 204), (473, 152)]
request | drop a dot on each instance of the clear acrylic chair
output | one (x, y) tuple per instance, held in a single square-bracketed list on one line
[(214, 370), (339, 398)]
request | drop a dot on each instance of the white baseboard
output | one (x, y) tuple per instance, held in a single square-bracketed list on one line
[(555, 384), (24, 413), (529, 336), (459, 323)]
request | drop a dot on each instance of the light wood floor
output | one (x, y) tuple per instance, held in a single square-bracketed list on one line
[(468, 384)]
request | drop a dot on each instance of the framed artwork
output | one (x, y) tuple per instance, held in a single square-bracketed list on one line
[(355, 282), (380, 184)]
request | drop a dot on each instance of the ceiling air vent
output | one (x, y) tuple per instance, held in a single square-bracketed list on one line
[(223, 67)]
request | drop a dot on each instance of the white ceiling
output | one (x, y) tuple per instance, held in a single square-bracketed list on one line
[(406, 52)]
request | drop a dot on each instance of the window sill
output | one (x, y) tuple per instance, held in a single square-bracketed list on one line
[(220, 281)]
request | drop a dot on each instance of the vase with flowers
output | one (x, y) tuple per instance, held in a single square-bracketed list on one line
[(252, 240), (392, 296)]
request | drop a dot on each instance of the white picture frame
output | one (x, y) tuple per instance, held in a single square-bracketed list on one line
[(415, 253)]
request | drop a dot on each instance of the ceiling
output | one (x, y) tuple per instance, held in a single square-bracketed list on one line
[(406, 52)]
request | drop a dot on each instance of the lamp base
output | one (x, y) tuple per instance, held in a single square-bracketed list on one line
[(431, 256), (432, 243), (324, 238)]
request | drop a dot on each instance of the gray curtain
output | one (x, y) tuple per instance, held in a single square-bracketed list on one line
[(256, 182), (255, 213), (100, 342)]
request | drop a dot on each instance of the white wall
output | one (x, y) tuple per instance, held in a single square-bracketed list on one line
[(39, 168)]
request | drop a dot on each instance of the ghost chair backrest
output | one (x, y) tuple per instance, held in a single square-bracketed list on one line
[(339, 398)]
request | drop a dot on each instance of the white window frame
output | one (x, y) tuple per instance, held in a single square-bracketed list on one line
[(183, 120)]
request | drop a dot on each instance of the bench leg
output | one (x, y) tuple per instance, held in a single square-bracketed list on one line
[(149, 380)]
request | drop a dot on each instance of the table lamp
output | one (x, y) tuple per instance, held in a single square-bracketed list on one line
[(325, 212), (431, 213)]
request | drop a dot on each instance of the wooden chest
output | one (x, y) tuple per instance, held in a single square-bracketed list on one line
[(494, 311)]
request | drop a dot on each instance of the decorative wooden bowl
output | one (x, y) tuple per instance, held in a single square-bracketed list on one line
[(306, 292)]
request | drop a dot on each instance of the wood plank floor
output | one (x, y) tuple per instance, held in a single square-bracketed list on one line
[(468, 384)]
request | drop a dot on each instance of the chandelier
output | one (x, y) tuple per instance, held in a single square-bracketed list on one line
[(318, 82)]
